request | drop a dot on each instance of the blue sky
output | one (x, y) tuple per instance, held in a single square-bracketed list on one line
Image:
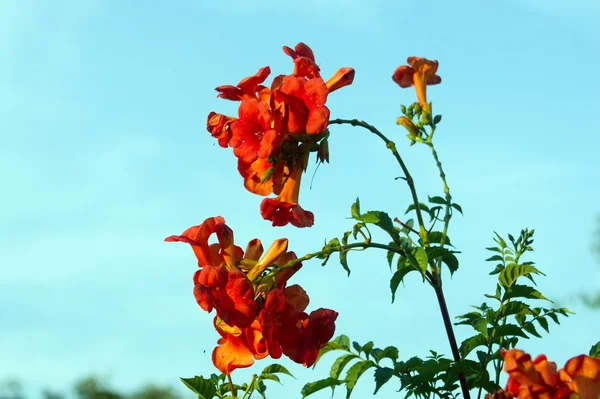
[(104, 153)]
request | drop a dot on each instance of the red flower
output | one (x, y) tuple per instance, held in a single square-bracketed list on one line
[(247, 88), (251, 135), (219, 127), (284, 208), (420, 73), (317, 330), (279, 322), (239, 351), (305, 104), (231, 293)]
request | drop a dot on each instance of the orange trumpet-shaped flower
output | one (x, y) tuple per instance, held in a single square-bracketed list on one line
[(419, 73), (582, 375), (343, 77), (539, 379), (284, 208), (247, 88), (239, 351)]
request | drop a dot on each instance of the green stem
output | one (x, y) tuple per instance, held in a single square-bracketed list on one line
[(233, 392), (409, 180), (448, 198), (249, 386)]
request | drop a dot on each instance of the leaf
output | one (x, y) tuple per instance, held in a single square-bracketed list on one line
[(338, 366), (523, 291), (530, 328), (383, 221), (471, 343), (595, 350), (355, 210), (437, 200), (204, 388), (344, 261), (382, 375), (268, 376), (512, 272), (422, 259), (494, 258), (458, 208), (313, 387), (435, 237), (543, 323), (354, 374), (508, 330), (512, 308), (480, 325), (341, 342), (390, 352), (397, 279), (422, 206), (276, 368)]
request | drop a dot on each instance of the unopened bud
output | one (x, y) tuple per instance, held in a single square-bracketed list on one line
[(409, 126)]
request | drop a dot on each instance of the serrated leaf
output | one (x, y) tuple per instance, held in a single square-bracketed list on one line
[(316, 386), (356, 346), (523, 291), (271, 377), (508, 330), (471, 343), (354, 374), (355, 210), (204, 388), (480, 325), (530, 328), (342, 342), (338, 366), (382, 375), (390, 352), (397, 279), (512, 272), (494, 258), (513, 308), (367, 348), (543, 323), (275, 369), (422, 259)]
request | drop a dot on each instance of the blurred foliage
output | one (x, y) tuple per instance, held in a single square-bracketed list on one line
[(90, 387)]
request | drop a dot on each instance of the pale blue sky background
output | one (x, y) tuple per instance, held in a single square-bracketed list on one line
[(104, 153)]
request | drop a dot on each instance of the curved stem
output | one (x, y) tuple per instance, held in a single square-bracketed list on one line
[(249, 386), (409, 180)]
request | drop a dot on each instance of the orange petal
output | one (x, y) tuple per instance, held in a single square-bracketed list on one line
[(343, 77), (254, 250), (296, 295), (582, 375), (232, 353), (275, 250)]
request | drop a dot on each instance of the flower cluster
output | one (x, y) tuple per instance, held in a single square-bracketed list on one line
[(257, 313), (540, 379), (276, 129)]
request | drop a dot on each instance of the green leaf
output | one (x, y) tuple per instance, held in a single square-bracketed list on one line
[(382, 375), (367, 348), (422, 206), (355, 210), (422, 259), (512, 308), (271, 377), (275, 369), (523, 291), (313, 387), (390, 352), (344, 261), (595, 350), (494, 258), (341, 342), (543, 323), (509, 275), (530, 328), (397, 279), (471, 343), (508, 330), (437, 200), (435, 237), (354, 374), (204, 388), (458, 208), (338, 366), (383, 221), (480, 325)]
